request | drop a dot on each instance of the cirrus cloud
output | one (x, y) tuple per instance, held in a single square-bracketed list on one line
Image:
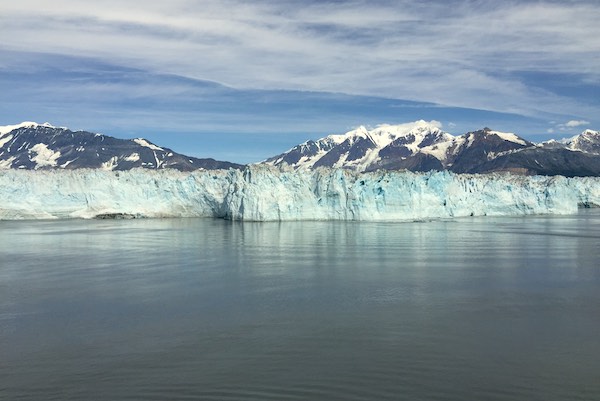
[(471, 54)]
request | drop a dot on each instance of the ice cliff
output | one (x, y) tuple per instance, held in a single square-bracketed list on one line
[(263, 193)]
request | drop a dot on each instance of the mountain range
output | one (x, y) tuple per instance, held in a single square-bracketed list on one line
[(423, 146), (417, 146), (35, 146)]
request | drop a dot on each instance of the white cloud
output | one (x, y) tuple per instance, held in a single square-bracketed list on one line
[(571, 124), (576, 123), (427, 52)]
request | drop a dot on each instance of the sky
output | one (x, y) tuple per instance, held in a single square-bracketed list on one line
[(242, 81)]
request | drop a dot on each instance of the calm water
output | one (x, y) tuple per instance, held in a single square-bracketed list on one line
[(472, 309)]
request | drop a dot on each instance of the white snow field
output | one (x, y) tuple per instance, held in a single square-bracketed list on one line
[(265, 193)]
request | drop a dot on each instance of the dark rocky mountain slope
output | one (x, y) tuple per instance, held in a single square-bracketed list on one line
[(41, 146), (422, 146)]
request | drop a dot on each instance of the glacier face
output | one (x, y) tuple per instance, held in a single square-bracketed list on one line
[(264, 193)]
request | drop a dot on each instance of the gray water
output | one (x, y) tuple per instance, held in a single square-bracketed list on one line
[(470, 309)]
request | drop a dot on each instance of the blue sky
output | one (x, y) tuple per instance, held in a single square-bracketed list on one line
[(243, 81)]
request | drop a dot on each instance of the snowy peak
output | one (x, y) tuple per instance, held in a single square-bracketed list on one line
[(350, 136), (474, 150), (591, 133), (417, 146), (509, 137), (493, 138), (146, 144), (437, 150), (361, 148), (423, 146), (33, 146), (409, 133), (588, 141), (26, 124)]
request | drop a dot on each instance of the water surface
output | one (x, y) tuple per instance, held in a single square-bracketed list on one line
[(468, 309)]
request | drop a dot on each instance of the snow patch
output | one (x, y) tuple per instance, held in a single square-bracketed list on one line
[(510, 137), (145, 143), (44, 156), (5, 139), (134, 157), (158, 163), (110, 164), (439, 150), (494, 155), (26, 124), (5, 164)]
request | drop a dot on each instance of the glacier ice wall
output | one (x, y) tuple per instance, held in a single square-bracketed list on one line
[(263, 193)]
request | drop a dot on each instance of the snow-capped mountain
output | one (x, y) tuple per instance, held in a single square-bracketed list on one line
[(575, 156), (588, 141), (35, 146), (423, 146), (471, 152), (361, 148)]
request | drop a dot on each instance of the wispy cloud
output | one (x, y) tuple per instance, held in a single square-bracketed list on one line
[(568, 126), (457, 53), (576, 123)]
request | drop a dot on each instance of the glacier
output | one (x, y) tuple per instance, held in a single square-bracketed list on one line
[(266, 193)]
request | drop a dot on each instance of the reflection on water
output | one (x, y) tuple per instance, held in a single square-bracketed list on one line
[(477, 308)]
